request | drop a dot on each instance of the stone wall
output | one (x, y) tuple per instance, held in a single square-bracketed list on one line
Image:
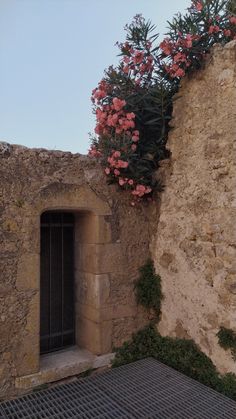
[(192, 243), (194, 246), (112, 243)]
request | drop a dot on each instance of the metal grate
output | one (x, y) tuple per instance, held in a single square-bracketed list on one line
[(145, 389), (56, 281)]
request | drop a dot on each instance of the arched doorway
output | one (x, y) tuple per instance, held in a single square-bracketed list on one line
[(57, 307)]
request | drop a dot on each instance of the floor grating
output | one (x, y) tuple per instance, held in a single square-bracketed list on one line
[(145, 389)]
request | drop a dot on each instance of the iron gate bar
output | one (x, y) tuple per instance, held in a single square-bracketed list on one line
[(145, 389)]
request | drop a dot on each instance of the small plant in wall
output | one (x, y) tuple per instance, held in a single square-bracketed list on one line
[(227, 340), (148, 289), (133, 101)]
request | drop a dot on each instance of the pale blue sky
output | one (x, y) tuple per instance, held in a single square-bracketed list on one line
[(52, 54)]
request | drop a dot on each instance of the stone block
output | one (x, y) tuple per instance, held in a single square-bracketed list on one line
[(92, 289), (88, 335), (94, 336), (101, 258), (91, 228)]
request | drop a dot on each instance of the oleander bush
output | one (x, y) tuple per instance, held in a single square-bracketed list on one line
[(133, 101)]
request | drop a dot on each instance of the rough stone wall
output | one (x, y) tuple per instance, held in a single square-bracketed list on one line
[(195, 243), (36, 180)]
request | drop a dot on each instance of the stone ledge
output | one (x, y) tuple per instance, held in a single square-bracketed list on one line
[(63, 364)]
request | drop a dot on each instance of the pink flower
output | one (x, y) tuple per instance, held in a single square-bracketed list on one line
[(101, 116), (166, 46), (99, 94), (128, 124), (118, 130), (107, 171), (116, 172), (126, 59), (227, 32), (180, 73), (130, 182), (232, 20), (213, 29), (138, 57), (133, 147), (130, 115), (148, 189), (135, 136), (116, 154), (143, 68), (139, 190), (98, 129), (112, 120), (122, 164), (188, 41), (111, 161), (118, 104), (199, 6), (121, 181), (94, 152), (180, 57)]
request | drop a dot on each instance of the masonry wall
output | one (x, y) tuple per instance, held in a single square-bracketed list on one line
[(194, 246), (193, 241), (111, 244)]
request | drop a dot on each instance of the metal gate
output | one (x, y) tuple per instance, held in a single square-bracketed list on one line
[(57, 328)]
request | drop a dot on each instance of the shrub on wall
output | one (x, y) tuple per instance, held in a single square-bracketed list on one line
[(133, 101), (148, 289), (180, 354), (227, 340)]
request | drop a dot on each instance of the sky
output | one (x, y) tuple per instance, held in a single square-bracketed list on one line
[(52, 54)]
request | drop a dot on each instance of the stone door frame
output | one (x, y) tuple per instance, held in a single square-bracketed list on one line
[(93, 248)]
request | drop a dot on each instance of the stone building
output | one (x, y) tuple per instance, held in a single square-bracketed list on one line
[(71, 245)]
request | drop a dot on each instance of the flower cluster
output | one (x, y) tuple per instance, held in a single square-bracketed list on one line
[(114, 118), (137, 64), (133, 102), (180, 52)]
